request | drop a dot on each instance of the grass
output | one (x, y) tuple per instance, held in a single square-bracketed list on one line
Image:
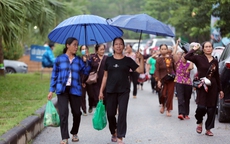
[(20, 96)]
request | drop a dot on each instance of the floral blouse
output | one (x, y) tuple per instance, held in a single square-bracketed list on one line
[(182, 73)]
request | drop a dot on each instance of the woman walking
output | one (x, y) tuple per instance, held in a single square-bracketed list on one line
[(116, 80), (86, 88), (98, 64), (66, 82), (164, 70), (183, 83), (133, 74), (207, 95)]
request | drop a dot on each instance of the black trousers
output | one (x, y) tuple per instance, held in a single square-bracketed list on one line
[(75, 103), (113, 101), (153, 82), (184, 92), (133, 79), (200, 113), (89, 91)]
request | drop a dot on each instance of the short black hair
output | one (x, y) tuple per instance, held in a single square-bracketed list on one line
[(51, 44)]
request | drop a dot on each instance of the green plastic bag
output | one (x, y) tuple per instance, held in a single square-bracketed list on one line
[(51, 117), (99, 117)]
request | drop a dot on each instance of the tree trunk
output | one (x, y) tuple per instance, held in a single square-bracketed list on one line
[(2, 72)]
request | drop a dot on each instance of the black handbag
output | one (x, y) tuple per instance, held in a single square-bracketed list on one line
[(168, 78)]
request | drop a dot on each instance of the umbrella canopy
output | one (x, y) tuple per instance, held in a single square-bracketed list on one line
[(88, 29), (141, 23)]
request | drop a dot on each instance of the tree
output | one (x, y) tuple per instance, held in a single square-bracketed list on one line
[(222, 11), (112, 8), (18, 19)]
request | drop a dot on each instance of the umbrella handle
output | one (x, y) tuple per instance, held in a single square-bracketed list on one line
[(139, 41)]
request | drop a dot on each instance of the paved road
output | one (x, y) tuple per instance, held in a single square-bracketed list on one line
[(145, 126)]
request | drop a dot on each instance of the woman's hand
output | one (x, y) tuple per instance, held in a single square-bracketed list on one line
[(159, 84), (221, 95), (196, 47), (50, 95), (101, 96), (83, 85), (139, 55)]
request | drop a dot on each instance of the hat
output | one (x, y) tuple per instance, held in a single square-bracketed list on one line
[(194, 44)]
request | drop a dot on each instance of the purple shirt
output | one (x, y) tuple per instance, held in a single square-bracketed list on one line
[(182, 73)]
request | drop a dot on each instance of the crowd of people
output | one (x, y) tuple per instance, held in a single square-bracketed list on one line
[(168, 69)]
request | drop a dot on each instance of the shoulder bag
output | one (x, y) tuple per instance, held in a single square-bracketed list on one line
[(93, 75)]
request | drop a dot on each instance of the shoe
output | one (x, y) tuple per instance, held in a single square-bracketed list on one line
[(181, 117), (90, 110), (75, 138), (114, 138), (134, 97), (209, 133), (199, 129), (84, 114), (64, 141), (186, 117)]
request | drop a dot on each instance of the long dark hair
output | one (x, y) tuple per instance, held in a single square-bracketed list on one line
[(120, 39), (68, 41), (116, 39)]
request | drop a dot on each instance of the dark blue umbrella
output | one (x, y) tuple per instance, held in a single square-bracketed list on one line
[(88, 29), (141, 23)]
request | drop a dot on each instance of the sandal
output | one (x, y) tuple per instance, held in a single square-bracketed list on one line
[(199, 129), (114, 138), (168, 114), (187, 117), (64, 141), (209, 133), (181, 117), (119, 141), (162, 110), (75, 138)]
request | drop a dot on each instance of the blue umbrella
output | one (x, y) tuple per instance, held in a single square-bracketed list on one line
[(141, 23), (88, 29)]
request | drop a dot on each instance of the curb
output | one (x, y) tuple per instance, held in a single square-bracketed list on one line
[(27, 129)]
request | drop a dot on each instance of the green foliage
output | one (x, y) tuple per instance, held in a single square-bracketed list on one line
[(222, 11), (58, 50), (20, 96), (13, 53), (112, 8), (28, 22)]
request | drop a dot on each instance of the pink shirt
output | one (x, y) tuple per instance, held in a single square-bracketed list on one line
[(182, 73)]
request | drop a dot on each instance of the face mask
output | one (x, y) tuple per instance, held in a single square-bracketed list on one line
[(83, 52)]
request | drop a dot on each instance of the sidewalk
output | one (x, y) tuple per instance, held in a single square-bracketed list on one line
[(27, 130)]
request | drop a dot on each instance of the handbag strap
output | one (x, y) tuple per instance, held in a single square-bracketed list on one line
[(99, 64), (211, 67)]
